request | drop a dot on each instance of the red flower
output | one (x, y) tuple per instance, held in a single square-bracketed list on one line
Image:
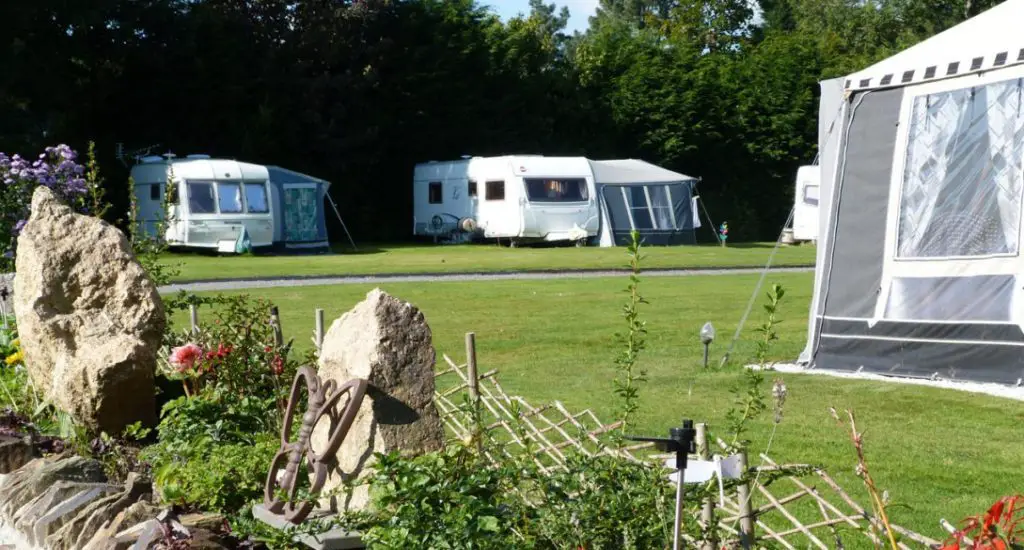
[(997, 529), (185, 357), (277, 365)]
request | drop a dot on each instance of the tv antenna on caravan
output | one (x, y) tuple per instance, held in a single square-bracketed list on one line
[(123, 156)]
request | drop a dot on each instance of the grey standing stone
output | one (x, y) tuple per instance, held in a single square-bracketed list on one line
[(89, 318), (388, 343)]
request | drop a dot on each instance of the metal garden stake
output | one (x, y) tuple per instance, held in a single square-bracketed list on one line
[(4, 293), (681, 442), (707, 335)]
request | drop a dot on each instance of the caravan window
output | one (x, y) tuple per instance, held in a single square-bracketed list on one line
[(229, 198), (495, 190), (256, 198), (434, 194), (636, 199), (472, 189), (556, 190), (961, 191), (811, 195), (200, 198), (662, 209), (154, 192)]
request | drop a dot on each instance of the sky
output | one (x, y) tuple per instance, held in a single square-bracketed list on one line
[(579, 10)]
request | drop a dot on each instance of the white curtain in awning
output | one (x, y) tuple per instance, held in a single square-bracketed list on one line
[(961, 192)]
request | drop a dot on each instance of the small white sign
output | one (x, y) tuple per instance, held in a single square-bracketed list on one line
[(701, 471)]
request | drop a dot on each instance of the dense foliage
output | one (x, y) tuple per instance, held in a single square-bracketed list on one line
[(358, 91), (56, 168)]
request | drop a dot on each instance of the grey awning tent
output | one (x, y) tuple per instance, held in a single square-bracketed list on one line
[(919, 269), (299, 213), (635, 194)]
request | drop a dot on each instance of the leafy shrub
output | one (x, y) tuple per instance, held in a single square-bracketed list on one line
[(215, 443), (455, 499), (10, 347), (605, 502), (214, 476), (56, 168), (447, 499), (18, 396), (213, 449), (120, 455), (237, 352), (214, 414)]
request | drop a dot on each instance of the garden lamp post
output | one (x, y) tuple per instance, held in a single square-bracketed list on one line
[(681, 442), (707, 335)]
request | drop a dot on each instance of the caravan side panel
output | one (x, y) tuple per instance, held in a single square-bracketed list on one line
[(557, 199), (805, 207), (440, 197), (150, 182)]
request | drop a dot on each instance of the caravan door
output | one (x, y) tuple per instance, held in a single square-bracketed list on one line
[(500, 208)]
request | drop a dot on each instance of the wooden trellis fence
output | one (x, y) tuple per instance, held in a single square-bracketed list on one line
[(750, 516)]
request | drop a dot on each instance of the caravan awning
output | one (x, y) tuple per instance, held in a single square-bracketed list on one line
[(990, 40), (284, 175), (633, 171)]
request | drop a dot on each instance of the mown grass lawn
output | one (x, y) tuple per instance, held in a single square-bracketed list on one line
[(477, 258), (944, 453)]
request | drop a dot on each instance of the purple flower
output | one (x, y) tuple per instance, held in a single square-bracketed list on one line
[(19, 226)]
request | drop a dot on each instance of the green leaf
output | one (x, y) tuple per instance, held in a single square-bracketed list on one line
[(488, 523)]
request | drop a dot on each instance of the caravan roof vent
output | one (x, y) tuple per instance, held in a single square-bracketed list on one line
[(197, 156), (151, 159), (169, 155)]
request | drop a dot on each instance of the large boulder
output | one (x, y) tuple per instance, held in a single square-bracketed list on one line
[(388, 343), (89, 318)]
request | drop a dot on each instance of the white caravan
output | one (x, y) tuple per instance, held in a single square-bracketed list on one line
[(805, 207), (521, 198), (229, 205)]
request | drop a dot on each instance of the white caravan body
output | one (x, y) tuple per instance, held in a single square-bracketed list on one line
[(212, 201), (805, 203), (516, 197)]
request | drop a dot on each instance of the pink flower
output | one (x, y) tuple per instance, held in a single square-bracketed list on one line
[(185, 357)]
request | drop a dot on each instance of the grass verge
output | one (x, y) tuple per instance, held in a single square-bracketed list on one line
[(477, 258), (942, 453)]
